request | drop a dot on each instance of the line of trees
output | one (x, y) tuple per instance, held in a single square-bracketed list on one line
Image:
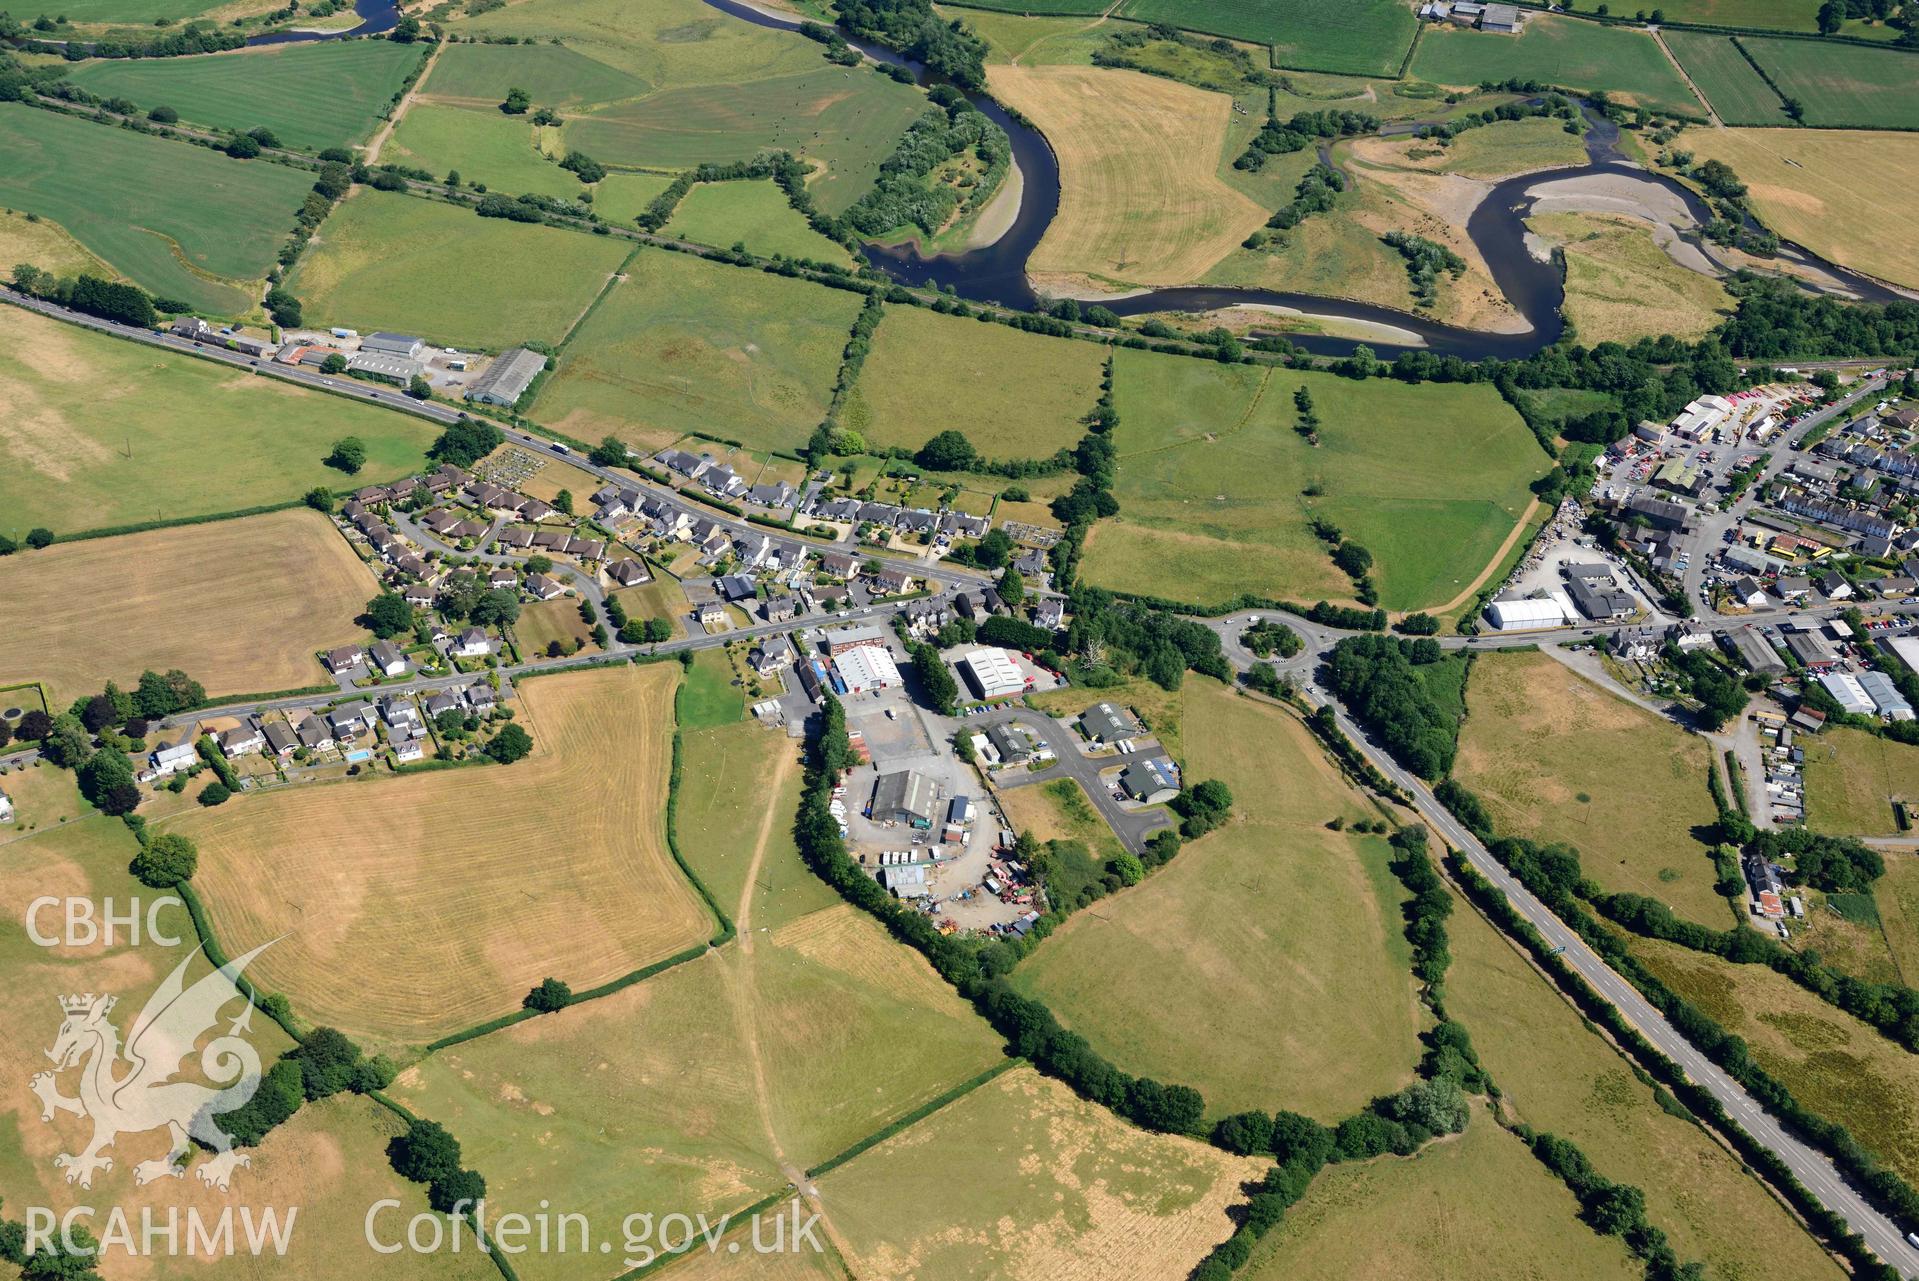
[(1378, 680)]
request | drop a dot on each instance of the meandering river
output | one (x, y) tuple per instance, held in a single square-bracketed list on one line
[(997, 272)]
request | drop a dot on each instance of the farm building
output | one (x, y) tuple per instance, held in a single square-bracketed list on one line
[(906, 882), (905, 797), (507, 378), (1152, 781), (393, 369), (405, 346), (867, 667), (992, 673)]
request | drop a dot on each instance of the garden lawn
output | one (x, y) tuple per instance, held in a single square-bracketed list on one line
[(482, 146), (1264, 966), (756, 214), (1621, 286), (720, 1075), (1013, 394), (1844, 195), (311, 95), (1852, 779), (1836, 1066), (683, 345), (386, 261), (1843, 85), (1463, 1209), (180, 221), (1020, 1179), (1431, 479), (1737, 92), (101, 433), (1558, 1074), (1626, 63), (1556, 758), (1365, 37)]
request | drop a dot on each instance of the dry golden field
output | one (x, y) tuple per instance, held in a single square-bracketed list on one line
[(1141, 200), (239, 605), (413, 907), (1557, 758), (1021, 1180), (1620, 285), (1844, 194)]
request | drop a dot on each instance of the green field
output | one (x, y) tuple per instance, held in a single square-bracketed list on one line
[(1563, 51), (181, 221), (552, 75), (1013, 394), (386, 261), (1053, 8), (1464, 1209), (756, 214), (699, 86), (1556, 758), (622, 197), (1843, 85), (688, 1092), (709, 698), (99, 432), (847, 120), (1264, 966), (1022, 1180), (1556, 1073), (136, 12), (1772, 15), (1834, 1065), (741, 790), (1362, 37), (688, 345), (1431, 479), (1852, 779), (483, 146), (313, 96), (1737, 92)]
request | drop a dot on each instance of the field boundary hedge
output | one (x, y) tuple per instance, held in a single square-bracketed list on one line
[(1881, 1187), (917, 1115)]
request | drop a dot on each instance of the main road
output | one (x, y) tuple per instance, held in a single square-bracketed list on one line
[(1807, 1163), (385, 397)]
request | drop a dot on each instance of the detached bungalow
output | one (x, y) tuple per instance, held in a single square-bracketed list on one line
[(387, 658)]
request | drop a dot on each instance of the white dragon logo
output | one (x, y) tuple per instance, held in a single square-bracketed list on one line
[(145, 1097)]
